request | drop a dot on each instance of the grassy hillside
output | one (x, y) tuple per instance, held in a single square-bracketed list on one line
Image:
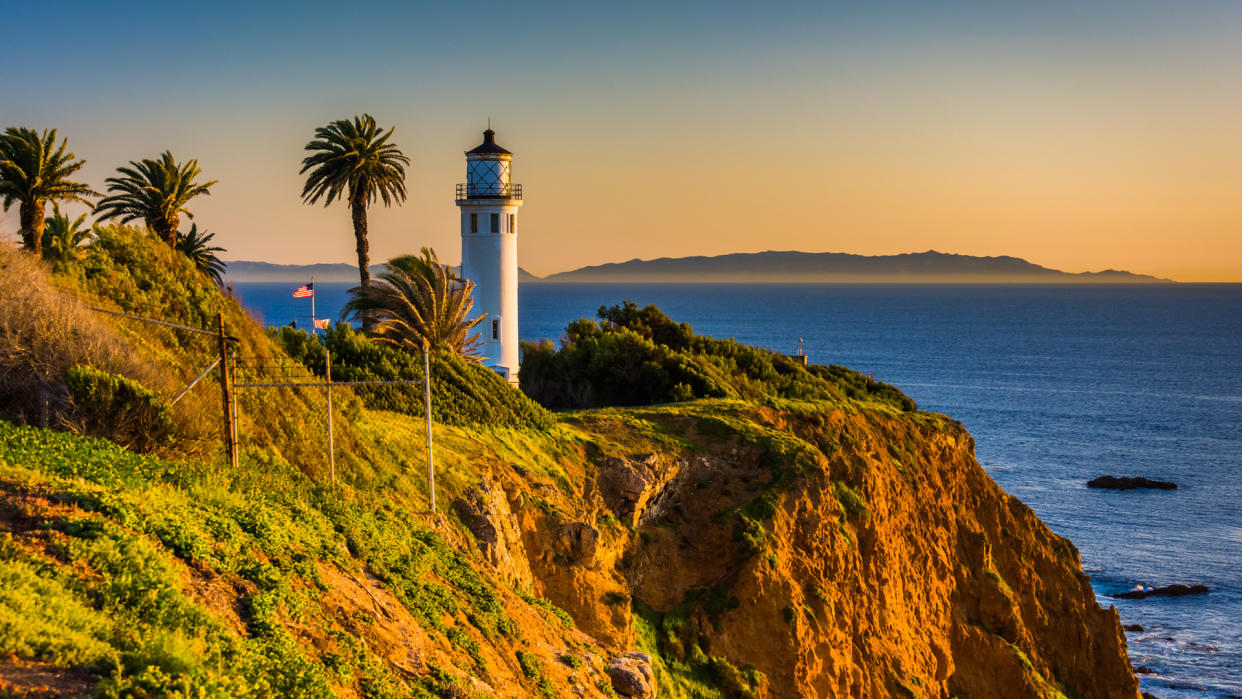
[(156, 578)]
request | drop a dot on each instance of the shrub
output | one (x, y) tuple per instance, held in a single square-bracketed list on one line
[(120, 409), (745, 683), (463, 393), (639, 356)]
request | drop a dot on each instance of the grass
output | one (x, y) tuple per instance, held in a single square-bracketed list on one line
[(677, 679), (533, 669), (850, 500), (551, 611), (995, 577), (682, 669), (98, 575)]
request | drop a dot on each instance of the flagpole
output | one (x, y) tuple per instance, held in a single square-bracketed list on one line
[(314, 329)]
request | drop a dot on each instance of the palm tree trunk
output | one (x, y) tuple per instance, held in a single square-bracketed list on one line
[(358, 208), (168, 230), (33, 219)]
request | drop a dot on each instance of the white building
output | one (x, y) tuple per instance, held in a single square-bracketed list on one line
[(489, 206)]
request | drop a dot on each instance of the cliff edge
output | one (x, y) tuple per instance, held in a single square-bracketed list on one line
[(804, 550)]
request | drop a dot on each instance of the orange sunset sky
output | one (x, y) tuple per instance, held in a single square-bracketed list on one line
[(1078, 137)]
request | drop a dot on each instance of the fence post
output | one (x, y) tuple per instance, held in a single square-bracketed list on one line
[(236, 409), (43, 400), (225, 392), (327, 364), (431, 464)]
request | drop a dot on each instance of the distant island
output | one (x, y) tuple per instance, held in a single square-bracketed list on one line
[(829, 267), (249, 271), (929, 267)]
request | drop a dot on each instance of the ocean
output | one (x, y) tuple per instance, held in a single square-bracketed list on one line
[(1058, 385)]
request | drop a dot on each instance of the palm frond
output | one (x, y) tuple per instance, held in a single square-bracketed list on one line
[(35, 171), (352, 159), (417, 302), (156, 191), (62, 237), (197, 246)]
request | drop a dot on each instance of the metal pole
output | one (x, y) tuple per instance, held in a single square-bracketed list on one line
[(226, 399), (236, 409), (431, 464), (313, 328), (327, 364)]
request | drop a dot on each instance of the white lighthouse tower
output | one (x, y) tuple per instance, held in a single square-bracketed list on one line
[(489, 204)]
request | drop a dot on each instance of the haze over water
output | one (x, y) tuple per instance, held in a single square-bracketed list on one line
[(1057, 385)]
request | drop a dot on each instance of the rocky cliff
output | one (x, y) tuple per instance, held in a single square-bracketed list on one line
[(802, 550)]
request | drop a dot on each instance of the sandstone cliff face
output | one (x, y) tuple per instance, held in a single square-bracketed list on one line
[(837, 552)]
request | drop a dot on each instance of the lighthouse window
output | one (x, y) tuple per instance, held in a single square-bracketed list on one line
[(495, 328), (495, 223), (512, 223), (474, 223)]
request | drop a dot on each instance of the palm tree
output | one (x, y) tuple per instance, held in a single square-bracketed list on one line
[(62, 237), (202, 253), (354, 161), (33, 171), (155, 191), (418, 304)]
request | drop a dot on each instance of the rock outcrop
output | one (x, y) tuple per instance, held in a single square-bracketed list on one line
[(1129, 483), (484, 509), (1178, 590), (631, 676)]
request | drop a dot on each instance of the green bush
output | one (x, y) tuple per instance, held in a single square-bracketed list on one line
[(462, 393), (639, 356), (744, 683), (112, 406)]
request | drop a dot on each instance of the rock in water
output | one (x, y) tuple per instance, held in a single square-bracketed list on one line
[(1136, 628), (1128, 483), (1166, 591)]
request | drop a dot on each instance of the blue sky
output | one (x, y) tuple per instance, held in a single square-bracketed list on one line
[(1078, 135)]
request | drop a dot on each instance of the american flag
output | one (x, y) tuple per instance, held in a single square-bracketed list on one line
[(304, 292)]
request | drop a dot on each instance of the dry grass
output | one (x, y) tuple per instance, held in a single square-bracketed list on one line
[(44, 332)]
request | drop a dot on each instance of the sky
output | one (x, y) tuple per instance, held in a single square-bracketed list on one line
[(1079, 136)]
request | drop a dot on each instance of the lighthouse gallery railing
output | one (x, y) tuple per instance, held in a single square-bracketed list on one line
[(493, 190)]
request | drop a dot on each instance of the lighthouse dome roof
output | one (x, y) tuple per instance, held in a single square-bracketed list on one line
[(488, 146)]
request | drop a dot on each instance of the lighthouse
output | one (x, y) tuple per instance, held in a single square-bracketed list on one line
[(489, 203)]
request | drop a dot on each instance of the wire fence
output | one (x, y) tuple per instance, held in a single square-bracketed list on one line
[(260, 376)]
